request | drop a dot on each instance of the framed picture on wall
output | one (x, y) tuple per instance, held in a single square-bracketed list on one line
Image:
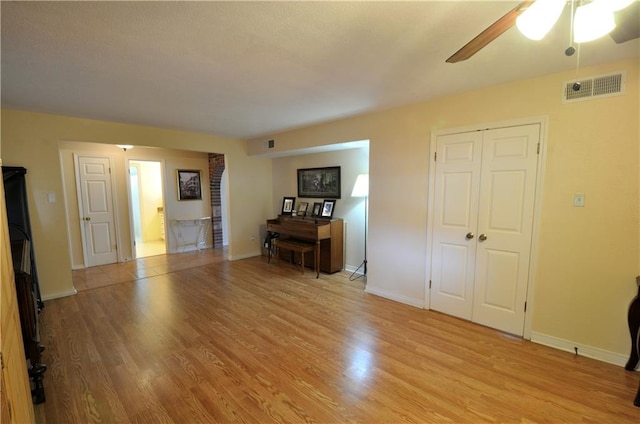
[(189, 185), (319, 182), (287, 205)]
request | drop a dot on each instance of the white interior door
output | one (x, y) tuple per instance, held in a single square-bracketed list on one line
[(482, 229), (505, 225), (96, 210), (455, 220)]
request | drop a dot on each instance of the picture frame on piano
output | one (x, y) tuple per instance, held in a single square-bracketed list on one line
[(317, 208), (327, 209), (287, 205), (302, 209)]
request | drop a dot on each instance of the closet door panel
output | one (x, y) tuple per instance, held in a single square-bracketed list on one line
[(505, 225), (455, 218)]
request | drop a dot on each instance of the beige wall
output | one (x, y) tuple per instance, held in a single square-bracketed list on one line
[(587, 257), (170, 159), (32, 140)]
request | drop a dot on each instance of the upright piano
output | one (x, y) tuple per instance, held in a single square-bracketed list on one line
[(328, 233)]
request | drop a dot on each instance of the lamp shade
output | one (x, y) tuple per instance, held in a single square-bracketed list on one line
[(361, 187), (592, 21), (537, 20)]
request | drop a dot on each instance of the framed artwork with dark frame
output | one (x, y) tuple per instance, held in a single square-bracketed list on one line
[(327, 208), (317, 208), (189, 185), (287, 205), (319, 182)]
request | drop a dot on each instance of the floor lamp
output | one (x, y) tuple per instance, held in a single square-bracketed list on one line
[(361, 189)]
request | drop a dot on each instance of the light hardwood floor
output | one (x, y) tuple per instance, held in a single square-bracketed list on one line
[(106, 275), (150, 248), (248, 341)]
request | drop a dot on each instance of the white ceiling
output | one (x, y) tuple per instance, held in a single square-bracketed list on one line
[(244, 69)]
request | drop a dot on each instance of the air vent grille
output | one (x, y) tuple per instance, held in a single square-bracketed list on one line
[(268, 144), (592, 87), (586, 90), (607, 85)]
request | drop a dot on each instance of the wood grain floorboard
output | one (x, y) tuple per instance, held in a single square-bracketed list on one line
[(251, 342)]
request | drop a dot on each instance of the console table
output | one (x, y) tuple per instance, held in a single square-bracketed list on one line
[(191, 232)]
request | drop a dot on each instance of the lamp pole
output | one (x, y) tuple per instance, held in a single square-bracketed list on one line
[(363, 265)]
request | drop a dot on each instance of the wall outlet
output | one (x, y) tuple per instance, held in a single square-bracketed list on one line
[(578, 200)]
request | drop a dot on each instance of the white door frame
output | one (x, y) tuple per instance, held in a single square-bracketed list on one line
[(131, 204), (114, 205), (537, 209)]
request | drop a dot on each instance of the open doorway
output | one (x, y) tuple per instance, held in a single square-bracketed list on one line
[(147, 208)]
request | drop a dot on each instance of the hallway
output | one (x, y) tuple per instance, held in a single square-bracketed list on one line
[(106, 275)]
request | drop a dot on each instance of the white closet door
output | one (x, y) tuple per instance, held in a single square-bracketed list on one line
[(505, 219), (455, 220), (484, 197)]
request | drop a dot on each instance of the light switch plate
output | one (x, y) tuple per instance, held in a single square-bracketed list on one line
[(578, 200)]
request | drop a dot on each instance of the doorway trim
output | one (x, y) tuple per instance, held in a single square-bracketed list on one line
[(537, 208), (114, 205)]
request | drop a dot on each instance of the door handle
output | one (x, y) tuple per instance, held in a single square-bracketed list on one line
[(469, 236), (87, 218), (482, 237)]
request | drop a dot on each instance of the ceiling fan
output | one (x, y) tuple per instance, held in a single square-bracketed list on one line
[(627, 28)]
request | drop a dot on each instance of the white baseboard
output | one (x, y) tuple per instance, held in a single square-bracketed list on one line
[(60, 294), (583, 350), (418, 303), (245, 256), (351, 269)]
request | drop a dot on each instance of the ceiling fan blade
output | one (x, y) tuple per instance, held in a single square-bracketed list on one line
[(491, 33)]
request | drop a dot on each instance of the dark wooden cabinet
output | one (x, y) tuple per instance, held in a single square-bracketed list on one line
[(327, 232), (28, 311), (15, 187), (25, 272)]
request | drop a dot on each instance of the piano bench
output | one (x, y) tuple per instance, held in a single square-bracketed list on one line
[(301, 247)]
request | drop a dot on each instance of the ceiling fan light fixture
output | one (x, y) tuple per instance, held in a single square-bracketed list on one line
[(592, 21), (616, 5), (535, 22)]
